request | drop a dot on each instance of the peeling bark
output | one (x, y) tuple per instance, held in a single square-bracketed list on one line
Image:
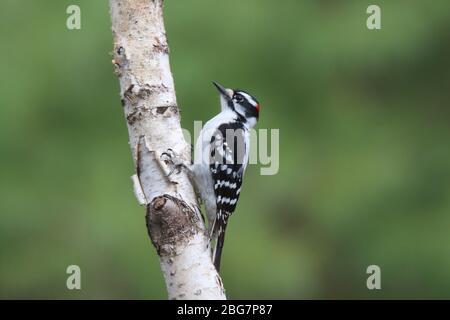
[(174, 222)]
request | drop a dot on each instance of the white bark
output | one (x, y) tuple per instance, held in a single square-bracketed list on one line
[(173, 219)]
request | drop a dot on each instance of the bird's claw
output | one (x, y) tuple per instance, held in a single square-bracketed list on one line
[(172, 160), (169, 153)]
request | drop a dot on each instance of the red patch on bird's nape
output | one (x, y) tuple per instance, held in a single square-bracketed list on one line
[(258, 106)]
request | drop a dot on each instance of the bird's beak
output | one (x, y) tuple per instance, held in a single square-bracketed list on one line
[(227, 93)]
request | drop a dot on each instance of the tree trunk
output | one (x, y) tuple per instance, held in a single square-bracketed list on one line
[(174, 223)]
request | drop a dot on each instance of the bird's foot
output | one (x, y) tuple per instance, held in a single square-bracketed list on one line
[(173, 161)]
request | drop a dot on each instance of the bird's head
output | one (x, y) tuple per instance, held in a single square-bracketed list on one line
[(242, 103)]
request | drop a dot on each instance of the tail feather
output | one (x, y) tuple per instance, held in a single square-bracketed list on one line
[(219, 247)]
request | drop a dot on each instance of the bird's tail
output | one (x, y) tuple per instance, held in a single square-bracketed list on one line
[(219, 246)]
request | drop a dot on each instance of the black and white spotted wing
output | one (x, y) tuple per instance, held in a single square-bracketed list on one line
[(227, 165)]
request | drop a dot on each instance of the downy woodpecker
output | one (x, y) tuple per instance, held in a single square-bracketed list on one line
[(220, 158)]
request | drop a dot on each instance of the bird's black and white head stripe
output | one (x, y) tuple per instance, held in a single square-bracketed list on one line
[(244, 104)]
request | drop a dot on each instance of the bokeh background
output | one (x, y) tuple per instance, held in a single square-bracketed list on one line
[(364, 124)]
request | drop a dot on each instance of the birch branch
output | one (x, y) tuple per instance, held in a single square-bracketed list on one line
[(174, 223)]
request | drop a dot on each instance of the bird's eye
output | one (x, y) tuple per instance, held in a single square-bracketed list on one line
[(239, 98)]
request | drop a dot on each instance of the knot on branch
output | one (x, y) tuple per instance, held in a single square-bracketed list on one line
[(136, 92), (170, 222), (120, 60), (160, 45), (142, 112)]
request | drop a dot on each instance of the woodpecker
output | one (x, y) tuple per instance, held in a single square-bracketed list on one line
[(220, 158)]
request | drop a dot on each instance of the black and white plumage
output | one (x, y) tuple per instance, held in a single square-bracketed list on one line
[(221, 156)]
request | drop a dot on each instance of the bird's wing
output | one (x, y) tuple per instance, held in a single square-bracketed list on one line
[(227, 165)]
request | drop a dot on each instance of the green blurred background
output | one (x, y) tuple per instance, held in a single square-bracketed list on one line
[(364, 124)]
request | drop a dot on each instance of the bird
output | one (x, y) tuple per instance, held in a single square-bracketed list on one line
[(221, 156)]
